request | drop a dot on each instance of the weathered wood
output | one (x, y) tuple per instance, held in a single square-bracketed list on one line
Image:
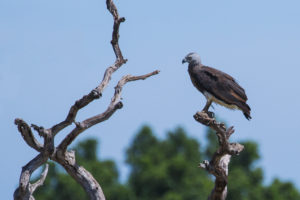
[(26, 189), (218, 165), (81, 175), (113, 106), (27, 135), (60, 154), (97, 92)]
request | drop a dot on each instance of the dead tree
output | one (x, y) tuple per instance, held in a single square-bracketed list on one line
[(218, 165), (60, 153)]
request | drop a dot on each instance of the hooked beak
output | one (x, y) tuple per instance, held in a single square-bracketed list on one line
[(184, 61)]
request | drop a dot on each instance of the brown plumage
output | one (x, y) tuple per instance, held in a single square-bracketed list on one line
[(217, 86)]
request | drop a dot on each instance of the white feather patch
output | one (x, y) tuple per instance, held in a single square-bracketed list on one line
[(209, 97)]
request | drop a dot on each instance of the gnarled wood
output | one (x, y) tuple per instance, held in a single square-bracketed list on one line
[(218, 165), (81, 175), (60, 154)]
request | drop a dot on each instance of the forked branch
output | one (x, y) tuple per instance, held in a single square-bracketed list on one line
[(218, 165), (26, 189), (113, 106), (60, 154), (97, 92)]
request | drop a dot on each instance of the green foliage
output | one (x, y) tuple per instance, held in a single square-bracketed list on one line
[(246, 180), (212, 143), (166, 169), (281, 191)]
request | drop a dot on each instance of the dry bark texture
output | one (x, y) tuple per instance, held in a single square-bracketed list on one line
[(59, 153), (218, 165)]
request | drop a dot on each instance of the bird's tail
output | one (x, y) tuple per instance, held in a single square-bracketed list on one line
[(246, 110), (247, 115)]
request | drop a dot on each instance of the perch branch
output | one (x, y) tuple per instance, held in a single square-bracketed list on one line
[(218, 165)]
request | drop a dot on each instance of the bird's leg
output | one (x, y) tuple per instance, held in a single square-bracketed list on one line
[(206, 107)]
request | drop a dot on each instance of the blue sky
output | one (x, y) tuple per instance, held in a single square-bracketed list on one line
[(54, 52)]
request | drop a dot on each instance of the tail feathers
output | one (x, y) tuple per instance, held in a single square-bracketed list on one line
[(246, 110), (247, 115)]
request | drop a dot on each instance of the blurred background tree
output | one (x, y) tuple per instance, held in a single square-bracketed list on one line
[(166, 169)]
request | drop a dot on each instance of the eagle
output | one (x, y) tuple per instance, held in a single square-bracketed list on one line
[(216, 86)]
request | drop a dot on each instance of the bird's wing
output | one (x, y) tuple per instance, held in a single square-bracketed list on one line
[(221, 85)]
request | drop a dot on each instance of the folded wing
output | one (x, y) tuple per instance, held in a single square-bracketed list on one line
[(222, 86)]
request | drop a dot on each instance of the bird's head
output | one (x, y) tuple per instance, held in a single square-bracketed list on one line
[(192, 58)]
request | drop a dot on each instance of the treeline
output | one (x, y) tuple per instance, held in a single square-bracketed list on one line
[(166, 170)]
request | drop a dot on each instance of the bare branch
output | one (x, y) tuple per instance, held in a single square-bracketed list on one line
[(218, 166), (60, 154), (81, 175), (97, 92), (39, 129), (24, 190), (27, 135), (115, 35), (41, 181), (124, 80), (113, 106), (85, 100)]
